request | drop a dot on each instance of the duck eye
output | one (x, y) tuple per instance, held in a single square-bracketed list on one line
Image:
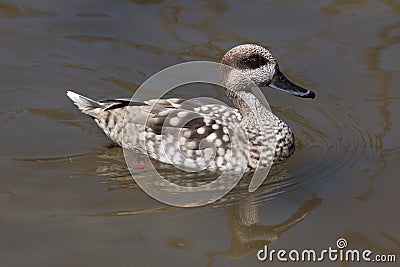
[(254, 61)]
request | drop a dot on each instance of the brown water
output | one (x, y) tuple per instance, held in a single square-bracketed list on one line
[(66, 197)]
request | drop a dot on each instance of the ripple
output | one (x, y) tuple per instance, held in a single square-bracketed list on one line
[(89, 38), (342, 142), (47, 159), (16, 11), (91, 15)]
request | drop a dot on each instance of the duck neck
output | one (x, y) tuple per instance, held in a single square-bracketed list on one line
[(250, 107)]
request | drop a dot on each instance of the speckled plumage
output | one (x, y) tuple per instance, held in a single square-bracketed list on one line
[(193, 135)]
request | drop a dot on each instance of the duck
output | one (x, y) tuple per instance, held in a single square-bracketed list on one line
[(193, 135)]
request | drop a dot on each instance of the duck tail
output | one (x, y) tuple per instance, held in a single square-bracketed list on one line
[(85, 104)]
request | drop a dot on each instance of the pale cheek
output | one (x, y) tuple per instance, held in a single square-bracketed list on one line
[(261, 77)]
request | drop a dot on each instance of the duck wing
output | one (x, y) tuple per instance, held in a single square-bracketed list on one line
[(174, 130)]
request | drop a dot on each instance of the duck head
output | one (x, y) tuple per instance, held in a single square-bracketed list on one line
[(259, 65)]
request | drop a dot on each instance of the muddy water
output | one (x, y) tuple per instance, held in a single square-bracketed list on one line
[(66, 197)]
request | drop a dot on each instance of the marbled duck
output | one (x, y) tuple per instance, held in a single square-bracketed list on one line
[(197, 135)]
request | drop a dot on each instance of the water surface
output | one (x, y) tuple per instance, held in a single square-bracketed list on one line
[(66, 197)]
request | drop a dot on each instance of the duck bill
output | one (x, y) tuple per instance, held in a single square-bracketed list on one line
[(280, 82)]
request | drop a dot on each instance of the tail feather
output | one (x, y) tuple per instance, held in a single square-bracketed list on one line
[(85, 104)]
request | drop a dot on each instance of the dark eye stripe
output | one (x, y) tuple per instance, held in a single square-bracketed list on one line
[(253, 61)]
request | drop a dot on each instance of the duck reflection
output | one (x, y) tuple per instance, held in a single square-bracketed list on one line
[(247, 232), (243, 208)]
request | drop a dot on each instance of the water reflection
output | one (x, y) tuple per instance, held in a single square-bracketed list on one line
[(242, 209), (249, 234), (374, 62)]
